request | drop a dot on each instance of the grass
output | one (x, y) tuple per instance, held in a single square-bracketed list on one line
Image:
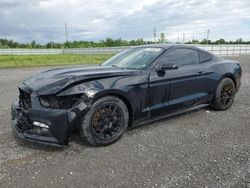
[(14, 61)]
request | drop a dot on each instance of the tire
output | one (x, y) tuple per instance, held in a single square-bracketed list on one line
[(105, 122), (224, 94)]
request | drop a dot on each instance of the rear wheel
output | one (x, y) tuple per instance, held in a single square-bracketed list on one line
[(224, 94), (105, 122)]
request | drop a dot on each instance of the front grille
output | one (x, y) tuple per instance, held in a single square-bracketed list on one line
[(24, 99)]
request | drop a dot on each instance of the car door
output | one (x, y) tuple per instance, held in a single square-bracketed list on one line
[(176, 88), (159, 88)]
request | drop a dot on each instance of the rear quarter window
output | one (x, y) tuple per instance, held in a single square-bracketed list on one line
[(205, 57)]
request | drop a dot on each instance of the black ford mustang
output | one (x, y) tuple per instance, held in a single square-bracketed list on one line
[(136, 86)]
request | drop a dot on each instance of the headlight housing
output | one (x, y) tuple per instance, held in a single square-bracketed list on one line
[(62, 102), (49, 101)]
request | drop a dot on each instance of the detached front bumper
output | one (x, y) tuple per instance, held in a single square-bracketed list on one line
[(60, 122)]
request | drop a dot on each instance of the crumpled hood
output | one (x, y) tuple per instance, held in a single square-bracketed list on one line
[(53, 81)]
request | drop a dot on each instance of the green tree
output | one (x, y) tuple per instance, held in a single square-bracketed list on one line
[(239, 41), (109, 42), (33, 44), (162, 38)]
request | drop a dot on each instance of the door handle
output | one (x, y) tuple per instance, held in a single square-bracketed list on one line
[(201, 72)]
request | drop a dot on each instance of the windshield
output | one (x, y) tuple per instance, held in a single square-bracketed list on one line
[(136, 58)]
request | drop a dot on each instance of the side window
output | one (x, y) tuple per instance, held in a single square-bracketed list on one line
[(204, 57), (181, 57)]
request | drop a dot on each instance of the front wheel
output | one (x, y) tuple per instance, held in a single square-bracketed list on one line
[(224, 94), (105, 122)]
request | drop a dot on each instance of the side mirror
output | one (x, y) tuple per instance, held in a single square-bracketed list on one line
[(167, 66)]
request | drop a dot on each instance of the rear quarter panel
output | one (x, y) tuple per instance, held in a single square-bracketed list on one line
[(224, 68)]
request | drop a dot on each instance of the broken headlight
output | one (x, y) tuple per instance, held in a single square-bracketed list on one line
[(63, 102), (49, 102)]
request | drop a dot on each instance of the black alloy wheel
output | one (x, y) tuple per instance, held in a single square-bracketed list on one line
[(224, 94), (105, 122), (227, 93)]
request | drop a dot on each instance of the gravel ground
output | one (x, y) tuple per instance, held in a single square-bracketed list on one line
[(203, 148)]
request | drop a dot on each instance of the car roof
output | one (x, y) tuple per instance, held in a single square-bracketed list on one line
[(167, 46)]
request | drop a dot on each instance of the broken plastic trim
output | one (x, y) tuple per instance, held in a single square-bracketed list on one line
[(62, 102)]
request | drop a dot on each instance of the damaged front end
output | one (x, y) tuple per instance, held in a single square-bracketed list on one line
[(51, 104), (47, 119)]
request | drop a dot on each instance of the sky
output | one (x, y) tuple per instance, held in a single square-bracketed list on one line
[(44, 20)]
